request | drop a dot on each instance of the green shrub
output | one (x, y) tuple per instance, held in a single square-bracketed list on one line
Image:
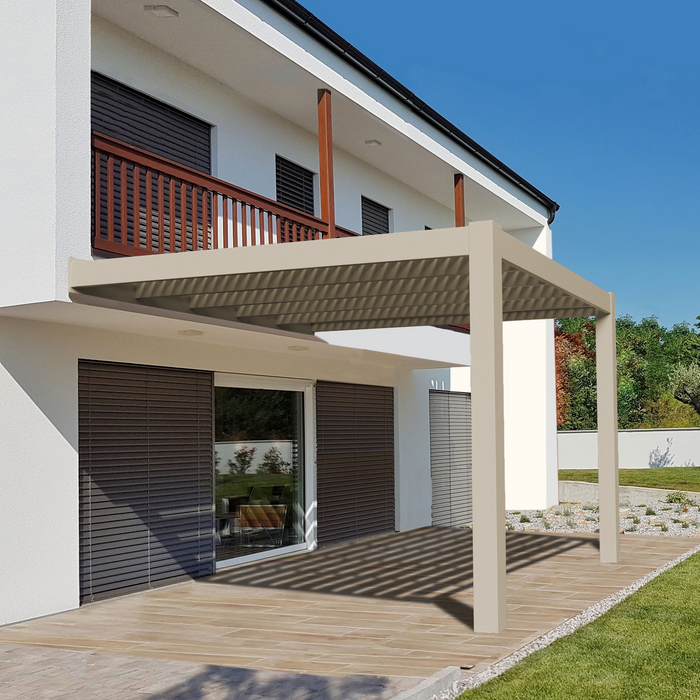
[(685, 526), (570, 523), (664, 528), (636, 520), (650, 511), (547, 525), (524, 519), (509, 526), (678, 497), (632, 528), (567, 512)]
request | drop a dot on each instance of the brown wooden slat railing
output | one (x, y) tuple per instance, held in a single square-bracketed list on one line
[(145, 204)]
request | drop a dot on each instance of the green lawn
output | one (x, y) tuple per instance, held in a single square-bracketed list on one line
[(646, 647), (677, 478)]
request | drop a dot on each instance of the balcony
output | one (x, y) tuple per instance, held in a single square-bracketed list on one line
[(144, 204)]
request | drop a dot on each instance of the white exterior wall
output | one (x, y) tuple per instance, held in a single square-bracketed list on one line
[(39, 441), (530, 403), (44, 146), (247, 136), (639, 449)]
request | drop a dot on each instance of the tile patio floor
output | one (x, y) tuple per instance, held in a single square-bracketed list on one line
[(396, 606)]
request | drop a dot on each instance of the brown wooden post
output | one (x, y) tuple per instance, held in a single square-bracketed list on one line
[(325, 159), (460, 203)]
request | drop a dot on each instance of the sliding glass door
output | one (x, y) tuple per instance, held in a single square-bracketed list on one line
[(259, 470)]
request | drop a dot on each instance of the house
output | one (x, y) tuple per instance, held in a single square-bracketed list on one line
[(229, 326)]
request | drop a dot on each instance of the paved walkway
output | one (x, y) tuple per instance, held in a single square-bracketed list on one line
[(42, 673), (396, 607)]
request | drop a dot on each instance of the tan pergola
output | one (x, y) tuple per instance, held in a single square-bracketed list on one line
[(477, 275)]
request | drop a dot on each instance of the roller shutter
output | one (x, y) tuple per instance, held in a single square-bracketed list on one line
[(146, 477), (375, 218), (355, 458), (140, 120), (451, 458), (295, 185)]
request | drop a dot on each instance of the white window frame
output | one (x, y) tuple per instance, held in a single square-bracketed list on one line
[(308, 387)]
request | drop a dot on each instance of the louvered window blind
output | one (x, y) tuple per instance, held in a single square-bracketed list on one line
[(140, 120), (146, 477), (295, 185), (375, 218), (451, 458), (355, 461)]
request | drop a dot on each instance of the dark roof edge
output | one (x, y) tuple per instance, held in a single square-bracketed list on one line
[(312, 25)]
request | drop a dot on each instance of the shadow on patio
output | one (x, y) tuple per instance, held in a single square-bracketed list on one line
[(237, 683), (428, 565)]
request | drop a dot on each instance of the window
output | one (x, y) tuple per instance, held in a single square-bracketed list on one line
[(295, 185), (142, 121), (375, 218)]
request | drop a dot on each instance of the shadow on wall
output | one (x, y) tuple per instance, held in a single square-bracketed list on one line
[(427, 565), (238, 683)]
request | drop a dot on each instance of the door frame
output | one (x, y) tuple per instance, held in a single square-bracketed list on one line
[(308, 387)]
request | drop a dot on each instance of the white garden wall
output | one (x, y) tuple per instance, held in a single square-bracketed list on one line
[(638, 449)]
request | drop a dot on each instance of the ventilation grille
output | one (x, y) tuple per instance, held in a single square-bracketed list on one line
[(146, 477), (140, 120), (295, 185), (451, 458), (375, 218), (355, 457)]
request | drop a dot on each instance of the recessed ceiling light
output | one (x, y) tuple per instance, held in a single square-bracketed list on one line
[(161, 10), (190, 332), (297, 348), (373, 143)]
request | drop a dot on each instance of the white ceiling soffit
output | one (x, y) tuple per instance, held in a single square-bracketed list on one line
[(204, 39), (342, 284)]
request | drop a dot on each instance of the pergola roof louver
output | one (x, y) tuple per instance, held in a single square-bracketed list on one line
[(401, 279)]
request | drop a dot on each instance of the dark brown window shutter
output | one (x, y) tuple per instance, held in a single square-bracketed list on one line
[(355, 458), (295, 185), (146, 476), (375, 218), (140, 120), (451, 458)]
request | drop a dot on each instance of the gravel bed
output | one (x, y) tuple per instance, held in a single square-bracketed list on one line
[(653, 518)]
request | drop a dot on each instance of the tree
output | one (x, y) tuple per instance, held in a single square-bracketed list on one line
[(274, 463), (646, 354), (242, 461), (684, 382)]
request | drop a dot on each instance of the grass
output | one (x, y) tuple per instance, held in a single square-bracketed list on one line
[(646, 647), (679, 478)]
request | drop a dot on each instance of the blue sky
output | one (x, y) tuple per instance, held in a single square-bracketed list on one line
[(597, 104)]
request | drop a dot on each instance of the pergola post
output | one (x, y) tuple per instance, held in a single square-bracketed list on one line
[(608, 481), (488, 462)]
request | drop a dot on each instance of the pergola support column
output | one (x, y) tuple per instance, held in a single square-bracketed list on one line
[(488, 470), (608, 466)]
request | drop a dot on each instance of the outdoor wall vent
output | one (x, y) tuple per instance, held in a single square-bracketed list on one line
[(297, 348), (161, 10), (373, 143)]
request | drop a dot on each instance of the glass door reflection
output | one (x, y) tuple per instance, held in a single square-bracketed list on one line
[(259, 489)]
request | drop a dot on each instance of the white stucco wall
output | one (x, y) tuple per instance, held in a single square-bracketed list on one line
[(44, 146), (39, 440), (247, 136), (638, 449)]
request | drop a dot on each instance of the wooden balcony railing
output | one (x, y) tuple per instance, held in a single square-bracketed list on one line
[(145, 204)]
